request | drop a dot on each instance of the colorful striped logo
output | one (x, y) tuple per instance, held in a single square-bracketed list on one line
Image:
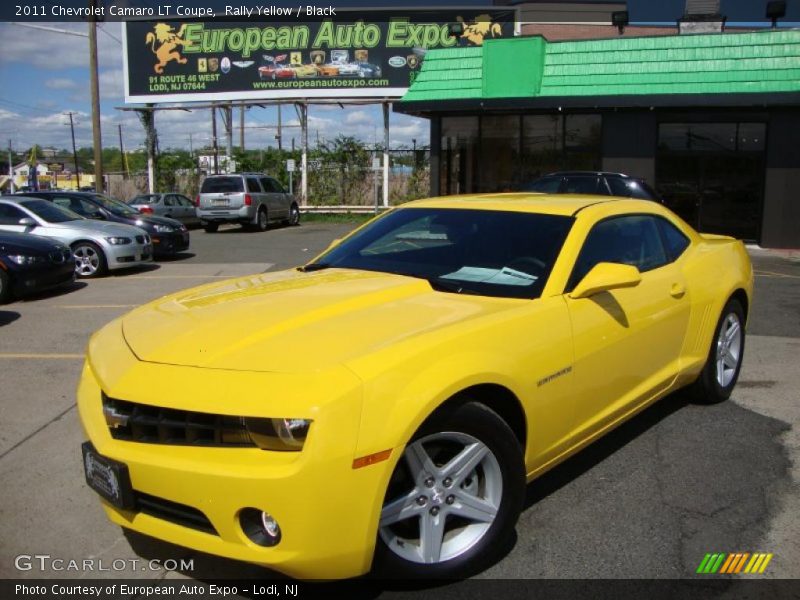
[(738, 562)]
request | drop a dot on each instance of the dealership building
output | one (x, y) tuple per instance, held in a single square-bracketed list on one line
[(712, 120)]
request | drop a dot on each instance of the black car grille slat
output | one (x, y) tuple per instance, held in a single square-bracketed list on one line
[(133, 422), (173, 512)]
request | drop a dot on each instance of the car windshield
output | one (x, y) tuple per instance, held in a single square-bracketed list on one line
[(545, 185), (145, 199), (115, 206), (221, 185), (49, 212), (483, 252)]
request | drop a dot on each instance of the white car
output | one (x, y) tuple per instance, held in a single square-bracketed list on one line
[(98, 246), (348, 68)]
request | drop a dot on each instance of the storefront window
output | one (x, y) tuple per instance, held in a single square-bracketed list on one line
[(459, 155), (558, 143), (712, 175), (499, 153)]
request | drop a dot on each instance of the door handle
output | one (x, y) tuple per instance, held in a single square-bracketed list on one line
[(677, 290)]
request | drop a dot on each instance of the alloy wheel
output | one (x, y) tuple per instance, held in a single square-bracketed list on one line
[(87, 261), (729, 349), (447, 500)]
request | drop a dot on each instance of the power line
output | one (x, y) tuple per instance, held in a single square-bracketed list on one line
[(113, 37)]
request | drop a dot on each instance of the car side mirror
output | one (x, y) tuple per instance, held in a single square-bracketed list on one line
[(604, 277), (27, 223)]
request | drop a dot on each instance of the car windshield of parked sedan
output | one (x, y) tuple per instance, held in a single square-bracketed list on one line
[(49, 212), (115, 206), (483, 252)]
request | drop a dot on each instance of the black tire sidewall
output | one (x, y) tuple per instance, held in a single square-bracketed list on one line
[(5, 287), (707, 389), (484, 424), (211, 228), (262, 211)]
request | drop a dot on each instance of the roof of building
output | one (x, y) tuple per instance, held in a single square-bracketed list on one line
[(580, 72)]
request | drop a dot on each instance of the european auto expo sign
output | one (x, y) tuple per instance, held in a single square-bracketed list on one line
[(173, 61)]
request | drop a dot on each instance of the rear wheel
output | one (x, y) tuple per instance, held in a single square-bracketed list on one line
[(89, 260), (721, 371), (211, 227), (262, 219), (5, 287), (454, 497)]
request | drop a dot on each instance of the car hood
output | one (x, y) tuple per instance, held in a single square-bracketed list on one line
[(294, 322), (102, 227), (151, 220), (26, 243)]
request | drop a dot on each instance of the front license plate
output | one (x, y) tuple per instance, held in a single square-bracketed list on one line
[(107, 477)]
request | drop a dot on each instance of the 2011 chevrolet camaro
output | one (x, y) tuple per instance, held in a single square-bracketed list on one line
[(383, 406)]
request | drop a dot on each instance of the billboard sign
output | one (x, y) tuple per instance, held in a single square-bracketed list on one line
[(220, 60)]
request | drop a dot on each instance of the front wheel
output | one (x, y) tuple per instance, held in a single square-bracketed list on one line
[(89, 260), (294, 215), (454, 497), (721, 371)]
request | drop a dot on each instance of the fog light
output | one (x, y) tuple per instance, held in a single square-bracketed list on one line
[(260, 526)]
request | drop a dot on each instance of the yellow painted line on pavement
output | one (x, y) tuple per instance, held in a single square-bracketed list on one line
[(90, 306), (182, 276), (44, 355), (774, 274)]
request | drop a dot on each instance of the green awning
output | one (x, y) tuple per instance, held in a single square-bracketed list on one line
[(764, 62)]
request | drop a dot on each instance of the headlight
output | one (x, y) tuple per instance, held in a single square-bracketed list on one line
[(118, 241), (164, 228), (278, 434), (24, 259)]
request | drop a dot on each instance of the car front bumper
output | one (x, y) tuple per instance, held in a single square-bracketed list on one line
[(128, 255), (327, 510), (170, 243), (29, 280)]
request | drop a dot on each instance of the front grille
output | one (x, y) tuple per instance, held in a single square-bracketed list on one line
[(59, 257), (173, 512), (140, 239), (135, 422)]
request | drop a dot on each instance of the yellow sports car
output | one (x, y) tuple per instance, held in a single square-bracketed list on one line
[(383, 406), (303, 70)]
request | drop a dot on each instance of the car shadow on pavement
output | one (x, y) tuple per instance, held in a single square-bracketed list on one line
[(8, 316), (138, 270), (62, 290)]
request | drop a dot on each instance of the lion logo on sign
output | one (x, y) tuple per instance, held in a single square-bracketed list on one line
[(168, 41), (476, 32)]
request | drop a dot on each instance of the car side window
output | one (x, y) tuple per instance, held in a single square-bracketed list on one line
[(184, 201), (674, 239), (169, 200), (253, 185), (276, 186), (545, 185), (86, 208), (10, 215), (629, 188), (64, 202), (583, 185), (630, 240)]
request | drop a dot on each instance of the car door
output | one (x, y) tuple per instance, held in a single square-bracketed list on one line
[(627, 341), (188, 214), (275, 199), (284, 199), (170, 208)]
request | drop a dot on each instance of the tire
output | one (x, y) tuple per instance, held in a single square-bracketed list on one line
[(294, 215), (721, 371), (211, 227), (493, 483), (90, 261), (262, 219), (5, 287)]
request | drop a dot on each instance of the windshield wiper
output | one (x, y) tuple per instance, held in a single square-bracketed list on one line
[(313, 267)]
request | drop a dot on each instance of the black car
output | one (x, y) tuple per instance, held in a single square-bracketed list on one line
[(31, 263), (593, 182), (169, 236)]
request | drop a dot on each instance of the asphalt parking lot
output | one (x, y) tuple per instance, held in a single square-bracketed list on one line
[(647, 501)]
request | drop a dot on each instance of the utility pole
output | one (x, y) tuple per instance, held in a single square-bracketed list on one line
[(227, 118), (241, 128), (97, 139), (280, 132), (11, 169), (74, 151), (122, 154), (214, 147)]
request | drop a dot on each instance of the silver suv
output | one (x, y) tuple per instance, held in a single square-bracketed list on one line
[(252, 199)]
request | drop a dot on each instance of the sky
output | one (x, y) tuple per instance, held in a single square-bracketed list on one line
[(44, 75)]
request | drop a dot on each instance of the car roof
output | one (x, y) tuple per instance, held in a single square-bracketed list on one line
[(587, 173), (550, 204)]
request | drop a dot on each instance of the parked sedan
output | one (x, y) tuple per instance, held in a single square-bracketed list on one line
[(31, 263), (383, 406), (171, 206), (593, 182), (96, 245), (169, 236)]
